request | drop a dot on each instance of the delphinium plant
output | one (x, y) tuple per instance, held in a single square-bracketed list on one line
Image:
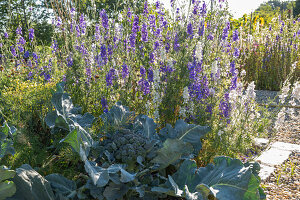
[(268, 53), (171, 66)]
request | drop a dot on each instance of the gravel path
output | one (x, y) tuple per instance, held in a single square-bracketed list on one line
[(284, 183)]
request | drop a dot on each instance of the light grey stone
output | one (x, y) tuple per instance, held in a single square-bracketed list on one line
[(286, 146), (273, 156), (261, 142), (265, 171)]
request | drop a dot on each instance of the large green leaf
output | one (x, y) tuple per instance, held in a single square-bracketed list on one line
[(6, 173), (31, 185), (6, 147), (146, 125), (226, 179), (190, 133), (6, 139), (73, 138), (172, 150), (115, 191), (62, 186), (68, 117), (118, 115), (95, 191), (7, 189), (101, 176)]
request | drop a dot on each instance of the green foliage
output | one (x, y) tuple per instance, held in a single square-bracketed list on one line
[(7, 188), (297, 9), (6, 138), (110, 169), (226, 179), (66, 117)]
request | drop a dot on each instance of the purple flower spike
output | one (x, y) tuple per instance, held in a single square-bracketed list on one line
[(144, 33), (19, 31), (6, 35), (142, 71), (31, 34), (190, 29), (13, 51), (146, 8), (135, 25), (235, 35), (125, 71), (104, 17), (110, 76), (104, 104), (22, 41)]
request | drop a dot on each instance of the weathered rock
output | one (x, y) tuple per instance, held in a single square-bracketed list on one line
[(273, 156), (261, 142), (286, 146)]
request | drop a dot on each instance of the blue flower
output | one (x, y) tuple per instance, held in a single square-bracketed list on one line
[(146, 8), (236, 52), (176, 45), (125, 71), (144, 85), (235, 35), (132, 39), (103, 53), (232, 68), (26, 54), (190, 29), (110, 76), (135, 25), (150, 74), (225, 31), (6, 35), (104, 104), (19, 31), (82, 24), (201, 29), (224, 106), (31, 34), (22, 41), (144, 33), (104, 17), (142, 71)]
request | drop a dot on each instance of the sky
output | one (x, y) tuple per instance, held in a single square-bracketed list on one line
[(240, 7), (236, 7)]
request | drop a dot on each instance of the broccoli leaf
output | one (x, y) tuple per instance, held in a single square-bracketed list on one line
[(101, 176), (95, 191), (115, 191), (118, 115), (68, 117), (147, 125), (6, 140), (190, 133), (227, 179), (172, 150), (7, 189), (62, 186)]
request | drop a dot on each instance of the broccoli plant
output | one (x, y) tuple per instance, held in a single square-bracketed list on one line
[(131, 160)]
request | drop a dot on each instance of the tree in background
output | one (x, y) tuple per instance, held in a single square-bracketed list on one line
[(92, 8), (26, 14), (297, 8), (273, 6)]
